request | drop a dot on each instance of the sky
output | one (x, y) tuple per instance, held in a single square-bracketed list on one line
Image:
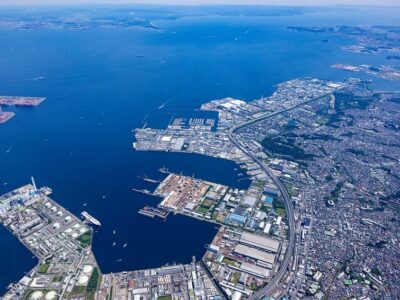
[(196, 2)]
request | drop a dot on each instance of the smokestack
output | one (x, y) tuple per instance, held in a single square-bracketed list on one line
[(34, 184)]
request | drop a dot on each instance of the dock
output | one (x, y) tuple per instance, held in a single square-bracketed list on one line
[(145, 178), (21, 100), (143, 191), (152, 212), (5, 116), (147, 211)]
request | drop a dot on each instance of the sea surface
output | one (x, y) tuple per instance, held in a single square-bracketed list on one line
[(79, 141)]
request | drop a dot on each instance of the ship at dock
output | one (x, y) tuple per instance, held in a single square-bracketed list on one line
[(151, 212), (90, 218)]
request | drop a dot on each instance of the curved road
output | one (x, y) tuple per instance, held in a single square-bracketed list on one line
[(289, 211), (287, 201)]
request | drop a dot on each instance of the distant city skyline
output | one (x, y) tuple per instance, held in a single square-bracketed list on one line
[(200, 2)]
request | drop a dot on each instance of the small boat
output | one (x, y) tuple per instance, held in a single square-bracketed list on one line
[(114, 244), (104, 196), (84, 204), (114, 231), (125, 245), (119, 259)]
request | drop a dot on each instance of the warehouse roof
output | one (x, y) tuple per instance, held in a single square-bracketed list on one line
[(256, 270), (259, 241), (255, 253)]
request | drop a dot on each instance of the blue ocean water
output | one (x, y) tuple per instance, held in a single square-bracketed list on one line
[(79, 141)]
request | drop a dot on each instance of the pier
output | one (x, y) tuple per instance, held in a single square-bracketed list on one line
[(143, 191), (145, 178), (151, 212), (21, 101)]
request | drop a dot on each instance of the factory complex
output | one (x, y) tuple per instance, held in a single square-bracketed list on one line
[(67, 268)]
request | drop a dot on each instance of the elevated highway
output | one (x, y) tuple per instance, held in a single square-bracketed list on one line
[(268, 289)]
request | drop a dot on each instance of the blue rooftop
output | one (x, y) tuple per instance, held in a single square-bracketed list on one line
[(237, 218), (269, 200)]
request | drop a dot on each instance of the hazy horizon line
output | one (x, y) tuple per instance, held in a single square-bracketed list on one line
[(157, 3)]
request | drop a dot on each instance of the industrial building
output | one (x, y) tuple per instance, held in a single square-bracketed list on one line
[(261, 242), (259, 255)]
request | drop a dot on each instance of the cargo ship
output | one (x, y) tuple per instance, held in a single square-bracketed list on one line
[(90, 218)]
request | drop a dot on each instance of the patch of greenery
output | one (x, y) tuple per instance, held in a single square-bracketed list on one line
[(276, 203), (366, 201), (90, 296), (292, 191), (392, 196), (57, 278), (259, 183), (78, 290), (356, 151), (357, 277), (111, 292), (378, 245), (214, 215), (328, 177), (202, 210), (375, 271), (290, 125), (85, 239), (165, 297), (344, 101), (44, 267), (228, 261), (280, 211), (319, 137), (285, 147), (236, 277), (265, 208), (348, 282), (254, 286), (93, 281), (334, 195)]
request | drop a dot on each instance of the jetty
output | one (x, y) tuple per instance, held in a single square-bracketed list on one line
[(145, 178), (143, 191), (152, 212)]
